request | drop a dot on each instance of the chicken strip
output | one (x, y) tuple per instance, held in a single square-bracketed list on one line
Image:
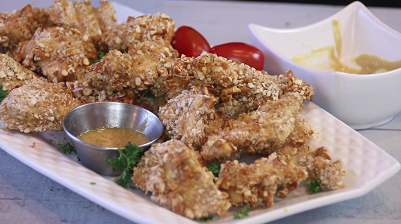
[(20, 25), (320, 166), (261, 131), (158, 26), (36, 107), (239, 87), (61, 54), (178, 181), (119, 76), (186, 117), (257, 183), (83, 16), (13, 75)]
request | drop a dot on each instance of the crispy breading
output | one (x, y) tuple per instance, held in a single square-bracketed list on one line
[(13, 75), (257, 183), (83, 16), (20, 25), (158, 26), (106, 15), (248, 87), (36, 107), (178, 181), (320, 166), (186, 116), (260, 131), (119, 76), (61, 54)]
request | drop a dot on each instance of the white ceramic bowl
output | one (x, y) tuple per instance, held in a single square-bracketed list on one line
[(361, 101)]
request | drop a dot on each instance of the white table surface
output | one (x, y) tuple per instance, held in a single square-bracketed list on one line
[(27, 196)]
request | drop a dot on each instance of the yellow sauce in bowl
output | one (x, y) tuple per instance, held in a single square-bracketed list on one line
[(113, 137), (325, 59)]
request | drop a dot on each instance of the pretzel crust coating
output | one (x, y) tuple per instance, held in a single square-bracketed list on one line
[(257, 183), (62, 54), (36, 107), (20, 25), (13, 75), (239, 87), (178, 181), (260, 131), (320, 166), (158, 26), (186, 117)]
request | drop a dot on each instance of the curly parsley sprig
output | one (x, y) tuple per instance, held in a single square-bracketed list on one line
[(241, 213), (67, 148), (3, 93), (314, 186), (128, 158), (215, 168)]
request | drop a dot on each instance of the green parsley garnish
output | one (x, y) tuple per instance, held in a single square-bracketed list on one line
[(93, 183), (314, 186), (241, 213), (148, 94), (126, 161), (210, 218), (3, 93), (67, 148), (215, 168), (100, 55)]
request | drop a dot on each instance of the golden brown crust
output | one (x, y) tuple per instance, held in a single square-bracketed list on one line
[(143, 28), (36, 107), (179, 182), (20, 25), (186, 116), (320, 166), (260, 131), (257, 183), (13, 75), (61, 54)]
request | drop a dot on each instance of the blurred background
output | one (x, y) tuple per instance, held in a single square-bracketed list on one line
[(382, 3)]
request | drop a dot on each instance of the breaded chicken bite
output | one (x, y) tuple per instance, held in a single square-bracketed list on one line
[(186, 116), (158, 26), (256, 184), (83, 16), (13, 75), (120, 76), (178, 181), (260, 131), (61, 54), (20, 25), (328, 172), (36, 107)]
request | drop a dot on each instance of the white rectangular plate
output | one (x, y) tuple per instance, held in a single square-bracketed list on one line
[(366, 167)]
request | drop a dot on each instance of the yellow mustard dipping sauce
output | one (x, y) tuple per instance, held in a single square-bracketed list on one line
[(324, 59), (113, 137)]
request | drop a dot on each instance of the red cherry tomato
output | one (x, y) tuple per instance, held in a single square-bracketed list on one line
[(241, 52), (189, 42)]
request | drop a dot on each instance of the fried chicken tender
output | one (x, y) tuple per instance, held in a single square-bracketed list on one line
[(257, 183), (158, 26), (36, 107), (239, 87), (118, 76), (13, 75), (260, 131), (320, 166), (20, 25), (177, 180), (186, 117), (61, 54), (83, 16)]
